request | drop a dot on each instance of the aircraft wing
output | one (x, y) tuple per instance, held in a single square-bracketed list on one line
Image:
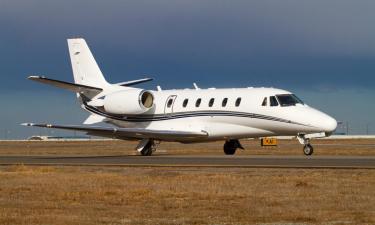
[(126, 133)]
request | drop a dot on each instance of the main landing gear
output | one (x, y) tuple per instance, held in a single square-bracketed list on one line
[(231, 146), (146, 147), (307, 148)]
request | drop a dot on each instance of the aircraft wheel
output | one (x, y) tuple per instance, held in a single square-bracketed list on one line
[(308, 149), (148, 149), (229, 148)]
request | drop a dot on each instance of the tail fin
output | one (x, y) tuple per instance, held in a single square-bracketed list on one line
[(85, 69)]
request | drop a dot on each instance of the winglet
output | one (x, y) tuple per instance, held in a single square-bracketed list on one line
[(35, 77), (27, 124)]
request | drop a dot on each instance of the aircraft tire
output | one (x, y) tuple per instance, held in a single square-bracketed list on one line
[(229, 148), (308, 149)]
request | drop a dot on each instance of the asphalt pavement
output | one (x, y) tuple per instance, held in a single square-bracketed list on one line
[(198, 160)]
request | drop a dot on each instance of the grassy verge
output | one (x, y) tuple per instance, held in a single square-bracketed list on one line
[(91, 195)]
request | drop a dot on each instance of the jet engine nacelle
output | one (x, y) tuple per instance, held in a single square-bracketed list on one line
[(128, 102)]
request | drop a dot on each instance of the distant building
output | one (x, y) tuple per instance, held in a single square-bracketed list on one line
[(56, 138)]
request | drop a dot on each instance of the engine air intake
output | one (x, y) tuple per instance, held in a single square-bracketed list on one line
[(147, 99)]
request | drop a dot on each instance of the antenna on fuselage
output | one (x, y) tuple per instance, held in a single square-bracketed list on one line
[(196, 86), (158, 88)]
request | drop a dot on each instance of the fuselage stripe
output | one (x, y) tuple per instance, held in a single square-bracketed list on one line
[(178, 115)]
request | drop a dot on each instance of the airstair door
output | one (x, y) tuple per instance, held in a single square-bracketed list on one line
[(168, 109)]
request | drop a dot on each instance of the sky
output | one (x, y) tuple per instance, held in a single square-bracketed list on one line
[(322, 50)]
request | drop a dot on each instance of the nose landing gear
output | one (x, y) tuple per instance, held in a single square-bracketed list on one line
[(307, 148)]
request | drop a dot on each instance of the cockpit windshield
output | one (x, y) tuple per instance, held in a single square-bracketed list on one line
[(289, 100)]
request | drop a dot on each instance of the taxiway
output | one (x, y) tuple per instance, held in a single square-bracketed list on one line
[(199, 161)]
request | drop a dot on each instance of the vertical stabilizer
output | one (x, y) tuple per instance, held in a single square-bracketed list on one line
[(85, 69)]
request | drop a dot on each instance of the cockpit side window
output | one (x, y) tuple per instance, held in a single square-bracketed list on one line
[(298, 99), (273, 101), (288, 100), (264, 103)]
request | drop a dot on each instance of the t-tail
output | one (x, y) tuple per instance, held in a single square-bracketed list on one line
[(89, 82), (86, 73), (85, 69)]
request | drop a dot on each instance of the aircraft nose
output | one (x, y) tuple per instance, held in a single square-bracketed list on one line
[(328, 124)]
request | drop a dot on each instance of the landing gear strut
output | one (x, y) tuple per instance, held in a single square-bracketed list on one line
[(231, 146), (307, 148), (146, 147)]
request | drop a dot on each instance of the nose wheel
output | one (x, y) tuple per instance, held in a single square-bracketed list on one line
[(307, 148)]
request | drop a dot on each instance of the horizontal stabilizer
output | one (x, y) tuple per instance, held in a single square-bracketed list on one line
[(134, 82), (79, 88), (126, 133)]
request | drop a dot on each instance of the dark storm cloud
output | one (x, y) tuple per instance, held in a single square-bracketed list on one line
[(254, 42), (303, 46)]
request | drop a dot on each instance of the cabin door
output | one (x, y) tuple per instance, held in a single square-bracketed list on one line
[(169, 104)]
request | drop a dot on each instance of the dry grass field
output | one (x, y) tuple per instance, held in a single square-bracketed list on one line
[(359, 147), (112, 195), (164, 195)]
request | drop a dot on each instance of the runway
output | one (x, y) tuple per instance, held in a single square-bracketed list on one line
[(255, 161)]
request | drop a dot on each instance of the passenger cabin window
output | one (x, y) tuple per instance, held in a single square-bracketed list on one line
[(224, 103), (211, 102), (264, 103), (273, 101), (198, 102), (169, 104), (289, 100), (184, 104), (238, 102)]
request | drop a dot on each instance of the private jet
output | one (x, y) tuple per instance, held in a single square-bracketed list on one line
[(185, 115)]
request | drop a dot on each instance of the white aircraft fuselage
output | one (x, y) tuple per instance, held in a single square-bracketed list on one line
[(247, 120), (185, 115)]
